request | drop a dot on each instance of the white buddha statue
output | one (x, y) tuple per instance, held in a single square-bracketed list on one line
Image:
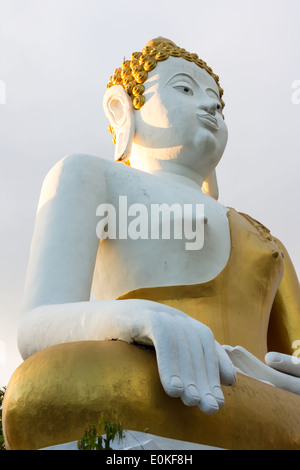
[(205, 318)]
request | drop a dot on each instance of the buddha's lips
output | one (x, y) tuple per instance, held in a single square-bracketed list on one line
[(208, 119)]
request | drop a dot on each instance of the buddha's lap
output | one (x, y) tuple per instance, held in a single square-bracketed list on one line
[(56, 392)]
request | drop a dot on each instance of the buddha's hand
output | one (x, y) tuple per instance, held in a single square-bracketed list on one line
[(280, 370), (191, 364)]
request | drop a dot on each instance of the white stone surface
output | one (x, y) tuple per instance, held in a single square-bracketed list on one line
[(133, 440)]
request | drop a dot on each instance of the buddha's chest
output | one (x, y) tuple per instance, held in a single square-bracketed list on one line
[(159, 234)]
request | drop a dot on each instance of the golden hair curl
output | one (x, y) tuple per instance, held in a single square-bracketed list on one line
[(134, 72)]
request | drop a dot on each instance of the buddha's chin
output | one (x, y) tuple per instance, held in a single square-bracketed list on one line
[(210, 145)]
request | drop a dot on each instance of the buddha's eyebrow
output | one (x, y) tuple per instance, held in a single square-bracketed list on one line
[(211, 90), (183, 76)]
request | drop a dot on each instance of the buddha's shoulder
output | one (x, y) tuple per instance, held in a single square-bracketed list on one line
[(89, 165), (262, 230), (254, 222)]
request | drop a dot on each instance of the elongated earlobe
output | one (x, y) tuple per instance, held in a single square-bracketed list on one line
[(119, 111), (210, 185)]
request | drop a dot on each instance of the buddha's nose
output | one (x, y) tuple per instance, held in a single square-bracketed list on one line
[(208, 105)]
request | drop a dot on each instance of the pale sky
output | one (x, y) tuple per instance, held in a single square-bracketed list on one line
[(56, 57)]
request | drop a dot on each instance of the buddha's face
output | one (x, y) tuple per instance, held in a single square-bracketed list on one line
[(182, 117)]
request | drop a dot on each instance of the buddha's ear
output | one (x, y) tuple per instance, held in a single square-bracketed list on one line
[(119, 111), (210, 185)]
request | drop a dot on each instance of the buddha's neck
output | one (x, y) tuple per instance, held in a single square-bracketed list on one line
[(169, 170)]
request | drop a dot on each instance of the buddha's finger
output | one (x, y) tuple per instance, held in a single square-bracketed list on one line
[(206, 382), (211, 359), (249, 364), (186, 351), (283, 363), (253, 367), (226, 367), (167, 354)]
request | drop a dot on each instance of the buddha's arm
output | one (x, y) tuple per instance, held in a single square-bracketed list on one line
[(284, 324), (65, 242), (57, 308)]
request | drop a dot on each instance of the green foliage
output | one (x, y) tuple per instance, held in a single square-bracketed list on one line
[(2, 392), (93, 438)]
